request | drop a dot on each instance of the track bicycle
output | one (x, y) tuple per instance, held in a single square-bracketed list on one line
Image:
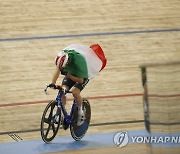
[(55, 114)]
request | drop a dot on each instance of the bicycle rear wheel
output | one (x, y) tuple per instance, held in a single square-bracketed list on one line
[(50, 122), (78, 132)]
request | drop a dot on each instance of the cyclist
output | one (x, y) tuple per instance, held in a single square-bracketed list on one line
[(78, 63)]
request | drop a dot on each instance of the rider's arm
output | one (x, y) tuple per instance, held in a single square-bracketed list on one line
[(56, 75), (74, 78)]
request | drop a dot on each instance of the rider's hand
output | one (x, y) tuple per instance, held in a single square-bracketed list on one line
[(52, 85), (63, 72)]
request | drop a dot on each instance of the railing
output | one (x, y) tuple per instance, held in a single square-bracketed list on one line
[(161, 98)]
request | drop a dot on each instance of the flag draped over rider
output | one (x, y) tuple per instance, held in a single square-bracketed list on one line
[(84, 61)]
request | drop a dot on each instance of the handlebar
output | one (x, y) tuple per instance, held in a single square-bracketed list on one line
[(59, 87)]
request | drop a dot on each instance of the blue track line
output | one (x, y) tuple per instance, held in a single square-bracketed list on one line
[(88, 34)]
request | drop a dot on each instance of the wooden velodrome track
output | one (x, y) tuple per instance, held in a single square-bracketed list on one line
[(130, 32)]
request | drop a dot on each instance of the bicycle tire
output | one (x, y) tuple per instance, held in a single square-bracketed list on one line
[(78, 132), (52, 125)]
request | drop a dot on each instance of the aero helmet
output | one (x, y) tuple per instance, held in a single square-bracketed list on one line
[(61, 59)]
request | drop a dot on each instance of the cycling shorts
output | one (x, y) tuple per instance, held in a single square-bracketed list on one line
[(68, 82)]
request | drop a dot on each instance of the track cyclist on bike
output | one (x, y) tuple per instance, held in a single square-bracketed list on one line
[(78, 63)]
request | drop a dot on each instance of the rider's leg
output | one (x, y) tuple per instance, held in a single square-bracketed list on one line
[(77, 96), (78, 99), (67, 84), (63, 99)]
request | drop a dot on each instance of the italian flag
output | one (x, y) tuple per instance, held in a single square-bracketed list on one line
[(87, 62)]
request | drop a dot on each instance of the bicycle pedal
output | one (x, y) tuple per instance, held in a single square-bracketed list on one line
[(65, 127)]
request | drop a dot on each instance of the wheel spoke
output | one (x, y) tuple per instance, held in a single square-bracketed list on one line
[(53, 128), (51, 112), (47, 132)]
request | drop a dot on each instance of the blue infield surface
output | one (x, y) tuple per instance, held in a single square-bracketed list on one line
[(89, 141)]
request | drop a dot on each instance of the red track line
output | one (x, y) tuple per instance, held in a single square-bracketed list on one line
[(164, 96), (93, 97), (47, 101)]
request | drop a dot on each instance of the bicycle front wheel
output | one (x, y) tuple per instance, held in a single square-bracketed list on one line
[(50, 122)]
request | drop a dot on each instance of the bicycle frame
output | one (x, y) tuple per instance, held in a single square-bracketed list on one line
[(67, 117)]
